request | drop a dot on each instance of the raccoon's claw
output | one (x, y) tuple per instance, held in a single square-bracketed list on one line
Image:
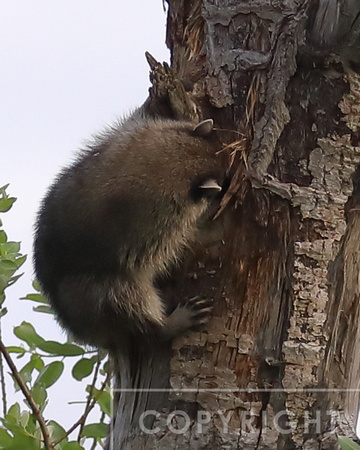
[(188, 314)]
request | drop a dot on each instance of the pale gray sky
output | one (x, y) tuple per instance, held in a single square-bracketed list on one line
[(67, 68)]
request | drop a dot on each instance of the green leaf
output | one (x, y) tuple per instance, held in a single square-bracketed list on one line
[(347, 444), (56, 432), (26, 373), (14, 411), (11, 247), (32, 425), (44, 309), (14, 279), (20, 261), (6, 440), (73, 446), (8, 267), (26, 332), (24, 419), (50, 374), (106, 367), (83, 368), (23, 441), (56, 348), (106, 402), (3, 311), (3, 237), (4, 280), (36, 286), (16, 258), (37, 361), (103, 398), (39, 394), (14, 349), (9, 264), (6, 203), (35, 298), (95, 430)]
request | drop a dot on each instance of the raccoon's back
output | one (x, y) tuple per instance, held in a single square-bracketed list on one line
[(104, 230)]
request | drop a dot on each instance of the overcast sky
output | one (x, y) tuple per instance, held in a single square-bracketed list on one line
[(67, 68)]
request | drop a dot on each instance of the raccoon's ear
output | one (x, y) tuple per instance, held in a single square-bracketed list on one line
[(204, 128)]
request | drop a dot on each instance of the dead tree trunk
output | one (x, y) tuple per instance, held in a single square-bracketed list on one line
[(278, 365)]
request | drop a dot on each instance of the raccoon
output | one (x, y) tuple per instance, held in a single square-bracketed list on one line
[(117, 218)]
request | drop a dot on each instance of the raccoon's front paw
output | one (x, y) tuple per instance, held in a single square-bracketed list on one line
[(188, 314), (198, 309)]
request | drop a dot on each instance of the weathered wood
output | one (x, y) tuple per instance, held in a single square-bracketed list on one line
[(277, 367)]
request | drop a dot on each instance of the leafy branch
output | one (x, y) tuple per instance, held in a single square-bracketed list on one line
[(34, 407), (93, 397), (29, 429)]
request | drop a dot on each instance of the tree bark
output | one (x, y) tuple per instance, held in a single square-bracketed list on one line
[(277, 367)]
